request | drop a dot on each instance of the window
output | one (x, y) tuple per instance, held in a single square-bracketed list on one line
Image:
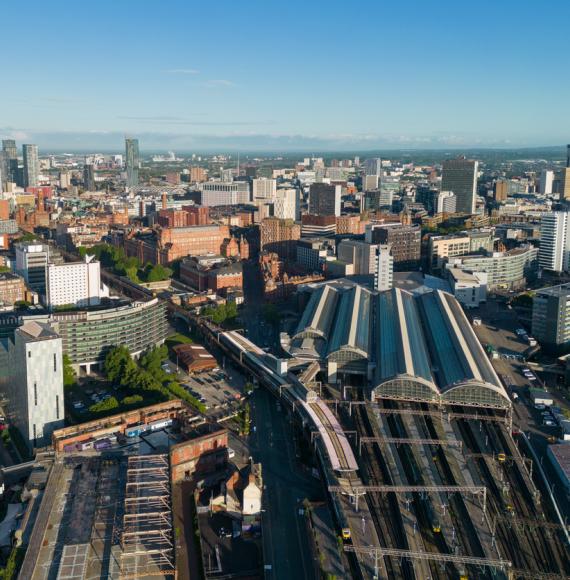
[(57, 406), (36, 394), (29, 354), (35, 434), (54, 363)]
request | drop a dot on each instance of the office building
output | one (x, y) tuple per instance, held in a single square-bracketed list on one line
[(198, 174), (75, 284), (312, 253), (280, 236), (31, 166), (445, 202), (324, 199), (501, 190), (546, 182), (132, 160), (370, 182), (565, 177), (31, 264), (551, 318), (373, 167), (318, 226), (215, 193), (89, 177), (34, 392), (441, 248), (554, 241), (460, 177), (287, 204), (384, 274), (361, 255), (404, 240), (264, 189)]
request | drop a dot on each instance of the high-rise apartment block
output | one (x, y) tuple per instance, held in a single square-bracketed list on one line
[(565, 177), (460, 177), (287, 204), (384, 275), (34, 392), (89, 177), (551, 318), (501, 190), (10, 159), (264, 188), (554, 253), (373, 166), (546, 181), (324, 199), (132, 160), (31, 165)]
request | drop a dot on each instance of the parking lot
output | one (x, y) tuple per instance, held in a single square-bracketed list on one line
[(219, 390)]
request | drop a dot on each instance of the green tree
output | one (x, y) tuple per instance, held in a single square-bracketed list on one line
[(68, 372), (132, 400), (156, 273), (106, 405), (118, 364)]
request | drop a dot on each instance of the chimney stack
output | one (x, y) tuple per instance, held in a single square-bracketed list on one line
[(164, 200)]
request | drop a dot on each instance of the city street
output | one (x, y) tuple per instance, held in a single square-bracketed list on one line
[(286, 545)]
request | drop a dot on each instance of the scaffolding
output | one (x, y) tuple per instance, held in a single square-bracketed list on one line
[(379, 552), (146, 538)]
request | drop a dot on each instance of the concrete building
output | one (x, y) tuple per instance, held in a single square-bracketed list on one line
[(324, 199), (554, 252), (35, 393), (551, 318), (404, 240), (75, 283), (318, 226), (312, 253), (31, 166), (264, 189), (384, 274), (12, 288), (445, 202), (565, 177), (31, 264), (280, 236), (440, 248), (361, 254), (546, 182), (501, 190), (89, 177), (505, 270), (470, 288), (460, 177), (287, 204), (216, 193), (132, 160), (373, 166), (370, 182)]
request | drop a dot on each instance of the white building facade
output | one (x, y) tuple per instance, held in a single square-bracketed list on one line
[(554, 253), (384, 275)]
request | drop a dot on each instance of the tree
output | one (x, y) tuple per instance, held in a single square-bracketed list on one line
[(118, 363), (132, 400), (68, 372), (156, 273), (106, 405)]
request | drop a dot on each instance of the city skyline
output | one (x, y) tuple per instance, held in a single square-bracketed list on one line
[(410, 76)]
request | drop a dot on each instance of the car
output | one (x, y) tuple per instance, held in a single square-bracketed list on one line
[(520, 331), (549, 423), (539, 407)]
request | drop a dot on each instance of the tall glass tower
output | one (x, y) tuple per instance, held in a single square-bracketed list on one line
[(31, 165), (10, 159), (132, 161)]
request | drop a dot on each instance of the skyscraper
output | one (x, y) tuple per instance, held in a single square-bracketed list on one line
[(31, 165), (546, 181), (10, 159), (565, 177), (373, 166), (89, 177), (324, 199), (132, 161), (554, 250), (460, 177)]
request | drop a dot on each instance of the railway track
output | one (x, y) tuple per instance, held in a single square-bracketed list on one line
[(332, 434), (384, 509)]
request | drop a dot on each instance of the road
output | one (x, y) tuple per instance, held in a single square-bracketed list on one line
[(286, 545)]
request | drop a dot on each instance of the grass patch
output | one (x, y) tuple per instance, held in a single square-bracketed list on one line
[(177, 339)]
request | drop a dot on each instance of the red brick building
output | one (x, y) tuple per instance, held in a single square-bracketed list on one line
[(203, 453)]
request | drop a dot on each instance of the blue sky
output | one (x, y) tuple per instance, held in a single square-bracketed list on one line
[(286, 74)]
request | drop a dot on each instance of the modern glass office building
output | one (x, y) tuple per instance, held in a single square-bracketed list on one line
[(132, 161), (405, 346)]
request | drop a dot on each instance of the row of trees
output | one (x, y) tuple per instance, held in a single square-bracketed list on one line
[(222, 312), (145, 380), (116, 259)]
